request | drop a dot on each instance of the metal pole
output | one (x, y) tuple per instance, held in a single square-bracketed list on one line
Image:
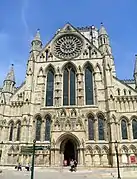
[(118, 163), (33, 157)]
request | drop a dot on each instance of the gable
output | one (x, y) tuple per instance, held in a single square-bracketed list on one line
[(69, 43), (18, 95)]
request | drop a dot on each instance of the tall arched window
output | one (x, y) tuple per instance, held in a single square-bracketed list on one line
[(50, 88), (38, 129), (101, 135), (69, 86), (88, 86), (124, 129), (18, 131), (134, 128), (91, 128), (47, 128), (11, 131)]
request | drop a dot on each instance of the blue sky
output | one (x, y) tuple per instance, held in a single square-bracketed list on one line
[(19, 20)]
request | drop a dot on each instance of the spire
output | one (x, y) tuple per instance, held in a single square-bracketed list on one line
[(37, 36), (135, 68), (36, 42), (102, 30), (10, 76)]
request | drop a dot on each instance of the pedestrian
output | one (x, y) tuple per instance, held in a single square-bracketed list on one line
[(19, 167), (75, 164), (72, 166)]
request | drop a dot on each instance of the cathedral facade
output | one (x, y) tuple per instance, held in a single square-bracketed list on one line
[(71, 103)]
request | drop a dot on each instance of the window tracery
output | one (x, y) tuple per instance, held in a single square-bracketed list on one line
[(11, 131), (47, 128), (18, 131), (134, 128), (91, 127), (68, 46), (88, 86), (50, 88), (124, 129), (101, 127), (38, 129), (69, 86)]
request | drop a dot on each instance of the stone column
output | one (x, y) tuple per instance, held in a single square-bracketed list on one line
[(57, 160), (80, 88), (81, 156), (3, 133), (52, 156), (130, 132), (6, 133), (30, 133)]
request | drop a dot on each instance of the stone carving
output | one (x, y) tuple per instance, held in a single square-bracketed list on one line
[(67, 125), (68, 46), (78, 124), (73, 113), (63, 113)]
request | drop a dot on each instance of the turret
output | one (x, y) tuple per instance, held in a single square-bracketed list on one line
[(135, 72), (36, 47), (9, 82), (104, 44), (36, 44)]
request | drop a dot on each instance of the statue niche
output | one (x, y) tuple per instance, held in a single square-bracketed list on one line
[(57, 125)]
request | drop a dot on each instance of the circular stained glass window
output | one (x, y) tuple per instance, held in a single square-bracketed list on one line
[(68, 46)]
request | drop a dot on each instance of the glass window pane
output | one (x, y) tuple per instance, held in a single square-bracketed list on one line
[(18, 131), (11, 131), (124, 129), (38, 129), (134, 128), (88, 86), (72, 87), (91, 128), (50, 88), (47, 129), (65, 87), (101, 129)]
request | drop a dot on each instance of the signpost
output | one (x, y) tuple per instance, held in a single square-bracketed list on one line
[(33, 154), (31, 150)]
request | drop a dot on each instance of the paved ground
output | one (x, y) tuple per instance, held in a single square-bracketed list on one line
[(10, 173)]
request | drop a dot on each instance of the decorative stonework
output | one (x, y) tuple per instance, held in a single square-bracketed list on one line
[(68, 46)]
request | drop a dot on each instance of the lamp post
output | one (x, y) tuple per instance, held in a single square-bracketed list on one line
[(33, 156), (116, 148)]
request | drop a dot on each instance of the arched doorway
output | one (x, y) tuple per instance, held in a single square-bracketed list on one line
[(68, 149)]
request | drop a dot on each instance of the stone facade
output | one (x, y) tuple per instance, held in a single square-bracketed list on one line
[(28, 113)]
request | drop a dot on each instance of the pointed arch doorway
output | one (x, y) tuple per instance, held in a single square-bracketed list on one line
[(68, 150)]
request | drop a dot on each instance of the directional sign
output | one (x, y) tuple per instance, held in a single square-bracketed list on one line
[(29, 149), (39, 147)]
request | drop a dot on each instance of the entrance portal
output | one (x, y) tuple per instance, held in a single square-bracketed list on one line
[(69, 151)]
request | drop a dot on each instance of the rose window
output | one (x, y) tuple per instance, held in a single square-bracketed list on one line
[(67, 47)]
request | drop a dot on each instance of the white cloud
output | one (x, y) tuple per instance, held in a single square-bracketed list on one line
[(25, 6)]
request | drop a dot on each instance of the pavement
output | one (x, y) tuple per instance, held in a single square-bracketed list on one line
[(60, 173)]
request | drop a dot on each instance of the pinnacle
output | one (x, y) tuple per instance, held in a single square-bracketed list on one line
[(102, 30), (37, 36), (10, 76)]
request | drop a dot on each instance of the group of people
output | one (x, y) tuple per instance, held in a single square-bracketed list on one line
[(73, 165), (19, 167)]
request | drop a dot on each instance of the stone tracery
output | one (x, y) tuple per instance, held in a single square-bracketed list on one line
[(68, 46)]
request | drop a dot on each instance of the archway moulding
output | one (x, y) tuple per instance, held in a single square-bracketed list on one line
[(67, 136)]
